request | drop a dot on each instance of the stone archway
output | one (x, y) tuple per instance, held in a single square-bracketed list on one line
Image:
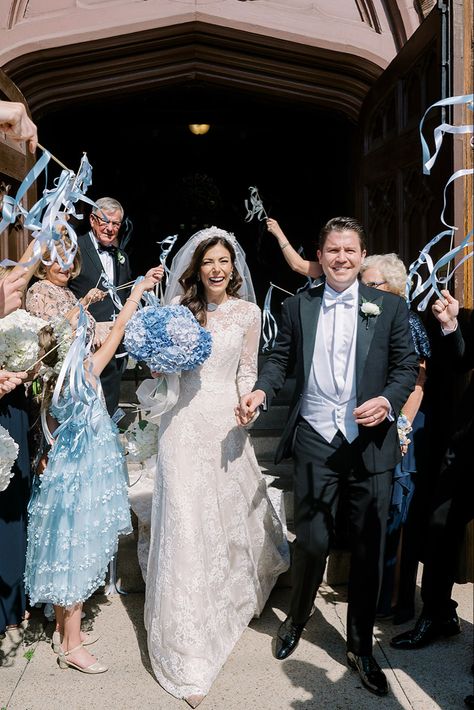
[(146, 61)]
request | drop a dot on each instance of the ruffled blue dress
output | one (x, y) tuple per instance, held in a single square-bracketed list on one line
[(79, 507)]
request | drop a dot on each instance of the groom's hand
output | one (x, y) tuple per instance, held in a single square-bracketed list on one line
[(372, 412), (249, 403)]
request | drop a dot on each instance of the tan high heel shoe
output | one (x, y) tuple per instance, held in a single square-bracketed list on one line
[(194, 700), (63, 661), (56, 640)]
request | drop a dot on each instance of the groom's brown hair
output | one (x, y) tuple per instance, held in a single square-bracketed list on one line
[(341, 224)]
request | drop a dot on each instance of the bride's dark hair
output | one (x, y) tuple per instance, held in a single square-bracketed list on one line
[(194, 296)]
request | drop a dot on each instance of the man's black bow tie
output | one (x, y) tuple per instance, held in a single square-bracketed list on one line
[(108, 249)]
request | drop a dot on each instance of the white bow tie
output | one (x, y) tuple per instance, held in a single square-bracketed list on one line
[(347, 298)]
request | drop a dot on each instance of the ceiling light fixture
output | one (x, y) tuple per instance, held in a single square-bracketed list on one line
[(199, 129)]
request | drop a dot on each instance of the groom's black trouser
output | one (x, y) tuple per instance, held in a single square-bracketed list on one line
[(322, 471)]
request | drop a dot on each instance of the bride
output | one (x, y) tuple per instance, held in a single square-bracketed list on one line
[(217, 546)]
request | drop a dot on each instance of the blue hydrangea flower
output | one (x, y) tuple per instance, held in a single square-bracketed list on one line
[(168, 338)]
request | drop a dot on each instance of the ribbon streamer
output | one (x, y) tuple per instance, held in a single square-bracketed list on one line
[(167, 245), (47, 217), (254, 206), (434, 282), (269, 324), (112, 291), (439, 131)]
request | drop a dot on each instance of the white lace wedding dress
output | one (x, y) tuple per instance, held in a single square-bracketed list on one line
[(217, 546)]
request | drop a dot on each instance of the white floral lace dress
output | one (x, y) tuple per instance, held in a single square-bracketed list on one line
[(217, 545)]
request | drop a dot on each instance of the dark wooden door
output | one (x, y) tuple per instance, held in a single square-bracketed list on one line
[(400, 206), (15, 161)]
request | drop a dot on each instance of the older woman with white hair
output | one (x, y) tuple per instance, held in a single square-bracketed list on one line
[(387, 272)]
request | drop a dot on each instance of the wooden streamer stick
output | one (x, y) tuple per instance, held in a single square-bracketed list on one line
[(54, 158)]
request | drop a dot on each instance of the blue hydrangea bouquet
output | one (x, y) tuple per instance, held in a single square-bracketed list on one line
[(168, 339)]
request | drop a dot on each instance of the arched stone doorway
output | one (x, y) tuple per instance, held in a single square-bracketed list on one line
[(282, 117)]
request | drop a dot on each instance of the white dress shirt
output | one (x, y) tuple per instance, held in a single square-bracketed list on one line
[(105, 258)]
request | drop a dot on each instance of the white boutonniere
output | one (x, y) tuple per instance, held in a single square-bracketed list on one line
[(369, 310), (120, 257)]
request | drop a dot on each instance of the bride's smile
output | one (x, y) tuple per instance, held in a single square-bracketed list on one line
[(215, 273)]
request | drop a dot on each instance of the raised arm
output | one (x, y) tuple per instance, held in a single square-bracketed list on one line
[(293, 259), (105, 353)]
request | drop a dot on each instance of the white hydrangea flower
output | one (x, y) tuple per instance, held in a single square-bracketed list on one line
[(19, 347), (8, 454)]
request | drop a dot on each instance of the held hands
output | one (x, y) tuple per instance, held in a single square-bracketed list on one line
[(446, 310), (11, 292), (10, 380), (372, 413), (249, 403)]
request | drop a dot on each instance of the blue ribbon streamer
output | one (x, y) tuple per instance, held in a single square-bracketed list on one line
[(81, 391), (47, 216), (428, 161), (112, 291), (269, 324), (12, 206), (433, 283), (166, 246)]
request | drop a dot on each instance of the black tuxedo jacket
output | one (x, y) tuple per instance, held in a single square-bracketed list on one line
[(90, 271), (386, 364)]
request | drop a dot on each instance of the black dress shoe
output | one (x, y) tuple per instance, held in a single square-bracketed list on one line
[(371, 675), (287, 638), (426, 631)]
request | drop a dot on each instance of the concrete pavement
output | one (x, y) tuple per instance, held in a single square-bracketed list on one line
[(315, 676)]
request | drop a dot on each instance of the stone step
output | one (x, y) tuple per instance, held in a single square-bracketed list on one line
[(275, 418), (265, 447)]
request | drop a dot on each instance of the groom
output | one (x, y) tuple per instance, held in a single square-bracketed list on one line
[(355, 367)]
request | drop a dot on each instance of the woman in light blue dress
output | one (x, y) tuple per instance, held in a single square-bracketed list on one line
[(80, 506)]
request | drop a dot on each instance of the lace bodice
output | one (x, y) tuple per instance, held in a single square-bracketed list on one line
[(47, 301), (235, 330)]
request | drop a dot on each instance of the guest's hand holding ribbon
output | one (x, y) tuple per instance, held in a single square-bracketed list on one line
[(14, 121), (446, 310), (93, 296), (11, 291), (155, 272), (373, 412), (10, 380)]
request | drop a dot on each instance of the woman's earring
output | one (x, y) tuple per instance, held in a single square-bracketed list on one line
[(198, 277), (231, 275)]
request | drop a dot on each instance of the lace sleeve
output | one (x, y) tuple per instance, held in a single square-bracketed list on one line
[(248, 364), (44, 302)]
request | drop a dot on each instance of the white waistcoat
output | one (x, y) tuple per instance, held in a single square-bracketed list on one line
[(326, 410)]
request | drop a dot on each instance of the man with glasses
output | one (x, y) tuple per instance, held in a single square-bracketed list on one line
[(101, 256)]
